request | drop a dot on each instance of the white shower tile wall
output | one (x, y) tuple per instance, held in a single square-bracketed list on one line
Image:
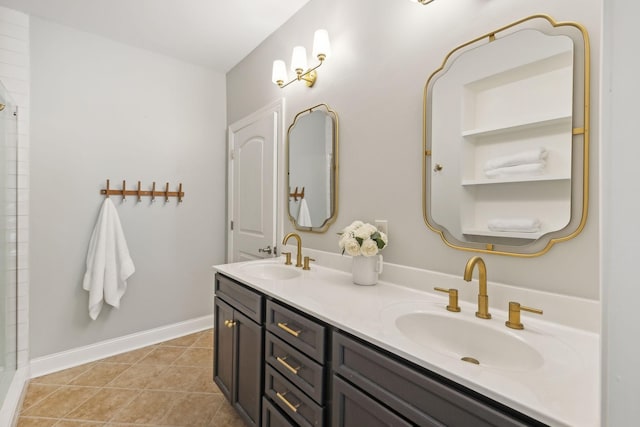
[(14, 74)]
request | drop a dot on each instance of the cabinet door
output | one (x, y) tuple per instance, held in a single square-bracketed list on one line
[(223, 348), (352, 408), (248, 363)]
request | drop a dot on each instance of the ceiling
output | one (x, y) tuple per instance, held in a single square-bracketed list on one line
[(213, 33)]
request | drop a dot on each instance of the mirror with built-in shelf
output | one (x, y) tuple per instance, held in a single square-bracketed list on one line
[(505, 139)]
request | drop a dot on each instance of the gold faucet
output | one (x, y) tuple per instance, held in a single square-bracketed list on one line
[(299, 253), (483, 297)]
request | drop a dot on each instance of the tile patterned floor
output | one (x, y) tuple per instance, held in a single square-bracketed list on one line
[(168, 384)]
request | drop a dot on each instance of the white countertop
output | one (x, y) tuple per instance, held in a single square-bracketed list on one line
[(564, 391)]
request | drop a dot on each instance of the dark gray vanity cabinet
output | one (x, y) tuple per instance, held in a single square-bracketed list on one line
[(295, 358), (369, 385), (281, 367), (238, 347)]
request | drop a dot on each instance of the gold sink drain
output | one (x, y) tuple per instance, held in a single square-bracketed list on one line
[(470, 360)]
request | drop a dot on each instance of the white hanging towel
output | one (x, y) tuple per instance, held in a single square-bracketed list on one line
[(108, 262), (304, 218)]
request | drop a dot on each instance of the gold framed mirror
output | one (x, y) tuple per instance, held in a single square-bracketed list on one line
[(312, 169), (506, 139)]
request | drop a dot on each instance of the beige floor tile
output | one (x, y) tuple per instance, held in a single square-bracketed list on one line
[(204, 382), (149, 407), (36, 422), (137, 376), (200, 357), (130, 357), (100, 374), (36, 392), (61, 402), (169, 384), (63, 377), (176, 378), (205, 339), (163, 355), (226, 416), (67, 423), (103, 405), (193, 410), (184, 341)]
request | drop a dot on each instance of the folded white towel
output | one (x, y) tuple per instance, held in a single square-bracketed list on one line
[(520, 225), (519, 170), (522, 158), (108, 262), (304, 217)]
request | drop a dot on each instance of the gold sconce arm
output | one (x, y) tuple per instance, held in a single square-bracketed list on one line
[(309, 77)]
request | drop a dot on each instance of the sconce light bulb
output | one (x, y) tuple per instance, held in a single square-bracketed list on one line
[(279, 72), (321, 44), (299, 59)]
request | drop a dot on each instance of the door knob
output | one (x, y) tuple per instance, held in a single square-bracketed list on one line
[(266, 250)]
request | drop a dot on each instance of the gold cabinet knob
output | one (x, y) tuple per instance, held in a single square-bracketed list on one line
[(453, 299), (229, 323), (287, 258), (306, 263), (514, 314), (438, 167)]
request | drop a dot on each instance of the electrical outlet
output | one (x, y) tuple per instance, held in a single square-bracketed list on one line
[(383, 226)]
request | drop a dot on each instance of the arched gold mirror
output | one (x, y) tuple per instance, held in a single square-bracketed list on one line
[(506, 139), (312, 169)]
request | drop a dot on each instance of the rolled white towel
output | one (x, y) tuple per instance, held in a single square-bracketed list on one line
[(519, 170), (522, 158), (519, 225)]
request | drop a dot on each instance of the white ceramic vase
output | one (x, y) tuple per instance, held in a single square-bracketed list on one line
[(365, 269)]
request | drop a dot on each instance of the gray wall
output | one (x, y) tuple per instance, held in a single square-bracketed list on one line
[(620, 227), (383, 53), (102, 110)]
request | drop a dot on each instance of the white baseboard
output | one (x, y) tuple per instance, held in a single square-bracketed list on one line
[(78, 356), (13, 399)]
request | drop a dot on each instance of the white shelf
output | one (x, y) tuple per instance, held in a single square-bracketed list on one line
[(517, 127), (511, 234), (490, 181)]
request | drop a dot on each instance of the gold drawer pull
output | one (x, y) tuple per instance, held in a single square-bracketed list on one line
[(229, 323), (291, 406), (283, 362), (285, 327)]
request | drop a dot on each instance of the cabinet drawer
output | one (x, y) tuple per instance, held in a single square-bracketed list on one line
[(295, 366), (298, 331), (272, 417), (241, 297), (421, 399), (297, 405), (353, 408)]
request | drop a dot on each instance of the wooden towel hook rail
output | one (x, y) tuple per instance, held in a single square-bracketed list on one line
[(140, 193)]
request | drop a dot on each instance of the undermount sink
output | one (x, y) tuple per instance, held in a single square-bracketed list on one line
[(271, 271), (469, 340)]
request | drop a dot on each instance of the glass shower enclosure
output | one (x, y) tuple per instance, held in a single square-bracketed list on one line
[(8, 240)]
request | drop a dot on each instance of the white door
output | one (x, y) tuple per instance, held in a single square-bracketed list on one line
[(253, 159)]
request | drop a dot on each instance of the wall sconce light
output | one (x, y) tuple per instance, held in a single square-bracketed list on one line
[(321, 50), (421, 1)]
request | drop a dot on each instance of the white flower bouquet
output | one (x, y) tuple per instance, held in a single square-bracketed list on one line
[(361, 238)]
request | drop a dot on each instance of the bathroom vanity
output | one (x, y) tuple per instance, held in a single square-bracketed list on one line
[(297, 347)]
